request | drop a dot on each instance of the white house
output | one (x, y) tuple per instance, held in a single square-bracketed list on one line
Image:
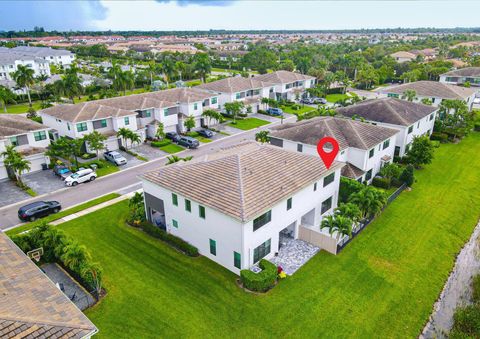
[(364, 147), (461, 76), (29, 138), (9, 64), (410, 118), (235, 204), (403, 56), (51, 55), (288, 85), (432, 90)]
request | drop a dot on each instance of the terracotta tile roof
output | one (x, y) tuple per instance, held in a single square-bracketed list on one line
[(242, 181), (388, 110), (283, 77), (351, 171), (403, 54), (464, 72), (235, 84), (15, 124), (432, 89), (347, 132), (30, 304)]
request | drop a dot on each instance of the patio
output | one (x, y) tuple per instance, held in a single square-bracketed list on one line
[(293, 254)]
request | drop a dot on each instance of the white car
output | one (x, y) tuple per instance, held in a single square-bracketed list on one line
[(83, 175)]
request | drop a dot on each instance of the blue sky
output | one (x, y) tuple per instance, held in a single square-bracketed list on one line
[(235, 14)]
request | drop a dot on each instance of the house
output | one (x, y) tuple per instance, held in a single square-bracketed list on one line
[(29, 138), (31, 305), (288, 85), (140, 113), (403, 56), (234, 204), (432, 90), (250, 91), (364, 147), (53, 56), (461, 76), (410, 118), (9, 63)]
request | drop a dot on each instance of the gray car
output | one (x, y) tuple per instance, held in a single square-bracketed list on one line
[(115, 157), (188, 142)]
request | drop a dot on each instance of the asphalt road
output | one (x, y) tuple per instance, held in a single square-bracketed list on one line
[(122, 182)]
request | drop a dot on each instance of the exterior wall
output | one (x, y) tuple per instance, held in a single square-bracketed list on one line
[(60, 125), (319, 239), (436, 101), (459, 80)]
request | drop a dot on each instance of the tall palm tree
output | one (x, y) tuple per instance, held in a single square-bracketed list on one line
[(134, 138), (337, 224), (351, 211), (124, 134), (409, 94), (14, 160), (24, 77), (6, 97), (266, 102), (128, 81), (168, 69), (203, 65)]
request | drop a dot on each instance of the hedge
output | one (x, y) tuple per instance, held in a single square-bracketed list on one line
[(262, 281), (381, 182), (442, 137), (477, 127), (160, 143), (176, 242)]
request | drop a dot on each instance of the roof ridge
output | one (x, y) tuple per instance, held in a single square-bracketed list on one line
[(392, 110), (240, 185), (80, 112), (350, 122)]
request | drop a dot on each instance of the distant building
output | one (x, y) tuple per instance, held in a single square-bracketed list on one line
[(461, 76), (403, 56)]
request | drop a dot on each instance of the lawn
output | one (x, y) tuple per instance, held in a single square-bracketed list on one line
[(248, 123), (21, 108), (336, 97), (383, 283), (172, 148), (300, 111)]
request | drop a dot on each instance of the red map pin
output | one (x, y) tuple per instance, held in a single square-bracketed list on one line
[(328, 157)]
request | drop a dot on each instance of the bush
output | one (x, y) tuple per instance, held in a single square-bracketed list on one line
[(466, 322), (477, 127), (476, 288), (396, 182), (439, 136), (348, 187), (407, 176), (160, 143), (176, 242), (262, 281), (381, 182)]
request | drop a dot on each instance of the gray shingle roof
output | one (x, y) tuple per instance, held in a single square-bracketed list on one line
[(242, 181), (235, 84), (388, 110), (283, 77), (347, 132), (464, 72), (85, 111), (14, 124), (432, 89)]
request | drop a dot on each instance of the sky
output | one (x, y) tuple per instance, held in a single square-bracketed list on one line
[(166, 15)]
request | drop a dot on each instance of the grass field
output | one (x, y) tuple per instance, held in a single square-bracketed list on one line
[(336, 97), (20, 108), (384, 283), (172, 148), (248, 123), (300, 111)]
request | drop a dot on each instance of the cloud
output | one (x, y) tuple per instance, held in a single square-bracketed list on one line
[(211, 3), (52, 15)]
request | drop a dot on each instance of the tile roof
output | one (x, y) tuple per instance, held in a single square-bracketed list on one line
[(403, 54), (14, 124), (351, 171), (85, 111), (432, 89), (283, 77), (242, 181), (30, 304), (388, 110), (235, 84), (347, 132), (464, 72)]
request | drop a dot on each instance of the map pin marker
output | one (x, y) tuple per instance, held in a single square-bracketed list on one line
[(328, 157)]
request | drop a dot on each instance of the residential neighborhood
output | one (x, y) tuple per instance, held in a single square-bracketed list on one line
[(177, 168)]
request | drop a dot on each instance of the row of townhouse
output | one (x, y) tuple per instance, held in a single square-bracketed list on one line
[(29, 138), (462, 76)]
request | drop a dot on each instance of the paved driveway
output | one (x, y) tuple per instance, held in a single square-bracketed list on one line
[(10, 193), (149, 152), (43, 182)]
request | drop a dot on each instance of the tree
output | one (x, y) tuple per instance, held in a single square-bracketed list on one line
[(124, 134), (370, 201), (72, 85), (409, 94), (160, 133), (74, 255), (189, 122), (168, 68), (92, 272), (134, 138), (234, 109), (407, 176), (6, 97), (455, 118), (426, 101), (13, 159), (262, 137), (210, 114), (390, 171), (337, 224), (266, 102), (367, 76), (65, 148), (24, 77), (287, 65), (96, 141), (203, 65), (421, 151)]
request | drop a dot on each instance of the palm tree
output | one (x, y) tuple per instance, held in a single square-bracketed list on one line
[(211, 114), (339, 224), (262, 137), (24, 77), (14, 160), (128, 81), (369, 200), (54, 242), (95, 141), (124, 134), (92, 272), (203, 65), (168, 69), (134, 138), (6, 97), (74, 255), (409, 94), (351, 211), (136, 200), (266, 102), (160, 133)]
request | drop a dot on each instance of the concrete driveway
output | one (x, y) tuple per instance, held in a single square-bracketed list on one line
[(10, 193), (43, 182)]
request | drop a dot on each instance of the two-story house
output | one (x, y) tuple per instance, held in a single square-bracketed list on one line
[(236, 217), (462, 76), (29, 138), (363, 146), (288, 85), (411, 119)]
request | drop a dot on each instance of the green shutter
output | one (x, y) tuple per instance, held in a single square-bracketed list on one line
[(174, 223), (174, 199), (237, 260), (213, 247), (201, 212), (188, 205)]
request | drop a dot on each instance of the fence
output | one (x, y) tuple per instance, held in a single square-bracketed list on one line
[(367, 222)]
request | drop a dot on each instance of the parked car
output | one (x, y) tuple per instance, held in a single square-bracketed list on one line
[(172, 136), (62, 171), (307, 101), (115, 157), (206, 133), (189, 142), (274, 111), (322, 101), (38, 209), (84, 175)]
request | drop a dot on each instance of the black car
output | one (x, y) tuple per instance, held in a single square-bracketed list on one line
[(206, 133), (172, 136), (38, 209)]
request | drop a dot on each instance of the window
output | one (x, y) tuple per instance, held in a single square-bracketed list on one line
[(148, 113), (289, 203), (328, 179), (237, 260), (371, 153), (81, 126), (410, 129), (262, 220), (326, 205), (14, 141), (431, 116), (165, 112), (201, 212), (386, 143), (103, 123), (433, 100), (174, 223), (214, 100), (299, 148), (40, 135), (314, 187), (188, 205), (237, 95), (397, 151), (393, 95), (127, 121), (68, 126), (174, 199), (195, 106), (368, 176), (213, 247), (261, 251), (418, 125)]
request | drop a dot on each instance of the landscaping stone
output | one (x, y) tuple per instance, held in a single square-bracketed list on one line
[(293, 254)]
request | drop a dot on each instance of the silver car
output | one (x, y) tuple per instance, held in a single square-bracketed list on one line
[(115, 157)]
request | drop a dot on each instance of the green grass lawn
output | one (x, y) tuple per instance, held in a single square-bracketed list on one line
[(248, 123), (172, 148), (336, 97), (385, 282), (21, 108), (300, 111)]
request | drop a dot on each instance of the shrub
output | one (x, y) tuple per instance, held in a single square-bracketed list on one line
[(262, 281), (439, 136), (261, 111), (466, 322), (477, 127), (348, 187), (160, 143), (176, 242), (396, 182), (476, 288), (381, 182), (407, 176)]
